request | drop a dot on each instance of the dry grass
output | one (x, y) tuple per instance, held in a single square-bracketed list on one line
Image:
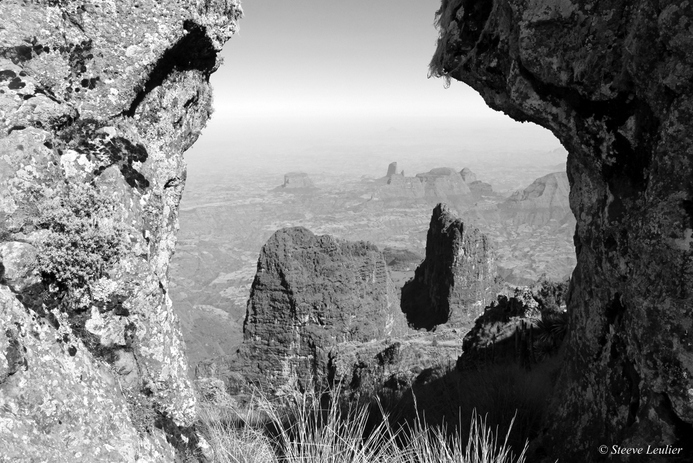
[(312, 428)]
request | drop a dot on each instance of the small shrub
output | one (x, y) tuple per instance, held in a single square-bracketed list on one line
[(82, 240)]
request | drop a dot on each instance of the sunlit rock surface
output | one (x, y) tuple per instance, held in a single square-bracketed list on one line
[(103, 96), (311, 293), (612, 80)]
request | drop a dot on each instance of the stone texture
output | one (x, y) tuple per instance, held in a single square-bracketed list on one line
[(612, 80), (363, 369), (311, 293), (456, 280), (104, 96)]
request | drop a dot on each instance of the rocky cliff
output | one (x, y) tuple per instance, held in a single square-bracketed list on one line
[(98, 101), (478, 188), (311, 293), (546, 199), (612, 80), (456, 280)]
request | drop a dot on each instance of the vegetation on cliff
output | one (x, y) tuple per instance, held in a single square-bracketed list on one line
[(82, 240)]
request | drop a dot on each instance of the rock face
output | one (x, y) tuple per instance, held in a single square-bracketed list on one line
[(98, 102), (309, 294), (544, 200), (297, 181), (477, 187), (468, 176), (456, 280), (612, 80)]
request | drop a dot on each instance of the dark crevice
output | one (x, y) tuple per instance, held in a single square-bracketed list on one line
[(631, 375), (474, 19), (615, 310), (687, 206), (183, 439), (194, 51)]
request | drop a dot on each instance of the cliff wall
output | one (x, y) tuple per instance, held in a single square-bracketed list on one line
[(311, 293), (612, 80), (98, 102)]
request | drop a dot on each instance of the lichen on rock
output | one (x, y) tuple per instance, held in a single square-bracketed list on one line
[(98, 100)]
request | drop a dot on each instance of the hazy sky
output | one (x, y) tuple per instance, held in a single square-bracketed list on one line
[(326, 57), (311, 68)]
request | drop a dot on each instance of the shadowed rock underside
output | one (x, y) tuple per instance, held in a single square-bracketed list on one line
[(612, 80)]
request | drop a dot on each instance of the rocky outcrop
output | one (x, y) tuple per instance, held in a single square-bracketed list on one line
[(98, 102), (612, 80), (478, 188), (311, 293), (456, 280), (526, 325), (442, 184), (364, 369), (468, 176), (391, 169), (546, 199), (296, 182)]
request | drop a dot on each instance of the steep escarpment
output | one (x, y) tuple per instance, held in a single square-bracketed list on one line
[(311, 293), (98, 103), (456, 280), (612, 80)]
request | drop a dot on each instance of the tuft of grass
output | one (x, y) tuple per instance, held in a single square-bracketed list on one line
[(308, 427)]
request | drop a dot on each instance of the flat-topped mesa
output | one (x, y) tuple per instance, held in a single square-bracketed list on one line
[(544, 200), (456, 280), (98, 102), (612, 80), (439, 184), (297, 181), (309, 294)]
